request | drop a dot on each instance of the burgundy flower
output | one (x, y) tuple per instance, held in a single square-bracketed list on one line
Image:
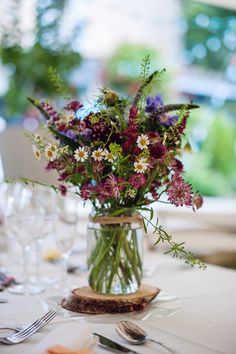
[(101, 192), (157, 150), (63, 176), (138, 180), (177, 166), (179, 192), (86, 191), (197, 201), (98, 167), (63, 189), (73, 105), (54, 116)]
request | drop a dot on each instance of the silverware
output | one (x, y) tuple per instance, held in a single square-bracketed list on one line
[(3, 301), (26, 332), (5, 331), (134, 334), (110, 345)]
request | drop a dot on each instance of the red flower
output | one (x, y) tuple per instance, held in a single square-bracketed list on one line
[(179, 192)]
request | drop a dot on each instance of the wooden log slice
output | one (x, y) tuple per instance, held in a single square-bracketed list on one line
[(84, 300)]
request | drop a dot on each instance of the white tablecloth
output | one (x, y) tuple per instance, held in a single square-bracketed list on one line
[(195, 314)]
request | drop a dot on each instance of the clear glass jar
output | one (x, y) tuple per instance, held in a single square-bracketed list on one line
[(115, 255)]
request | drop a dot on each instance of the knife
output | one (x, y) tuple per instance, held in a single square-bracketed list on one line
[(109, 344)]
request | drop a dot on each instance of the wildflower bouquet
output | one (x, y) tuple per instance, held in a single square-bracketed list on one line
[(122, 156)]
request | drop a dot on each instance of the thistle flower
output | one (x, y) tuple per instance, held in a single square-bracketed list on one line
[(81, 154)]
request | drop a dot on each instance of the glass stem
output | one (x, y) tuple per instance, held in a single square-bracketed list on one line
[(38, 250), (65, 258), (26, 252)]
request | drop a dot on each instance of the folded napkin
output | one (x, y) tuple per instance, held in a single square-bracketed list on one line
[(71, 336), (60, 349)]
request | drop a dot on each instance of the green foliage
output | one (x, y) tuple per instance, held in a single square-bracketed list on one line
[(60, 86), (29, 67), (31, 74), (123, 68), (215, 153), (217, 28)]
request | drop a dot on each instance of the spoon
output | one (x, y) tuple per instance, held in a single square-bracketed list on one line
[(136, 335)]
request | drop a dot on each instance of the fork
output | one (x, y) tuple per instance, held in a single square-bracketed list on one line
[(26, 332)]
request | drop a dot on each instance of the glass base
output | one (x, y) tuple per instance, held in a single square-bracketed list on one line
[(26, 289), (64, 288), (43, 281)]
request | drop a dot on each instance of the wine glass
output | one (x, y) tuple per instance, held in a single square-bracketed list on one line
[(43, 199), (65, 233), (23, 227)]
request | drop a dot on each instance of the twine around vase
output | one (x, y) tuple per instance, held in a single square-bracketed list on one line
[(110, 220)]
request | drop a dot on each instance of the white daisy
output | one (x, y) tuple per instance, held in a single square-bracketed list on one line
[(140, 166), (108, 156), (51, 152), (37, 153), (97, 154), (81, 154), (143, 141)]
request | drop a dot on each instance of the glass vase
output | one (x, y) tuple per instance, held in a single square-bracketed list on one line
[(115, 254)]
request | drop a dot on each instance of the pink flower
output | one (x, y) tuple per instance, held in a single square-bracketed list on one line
[(179, 192), (114, 186), (138, 180)]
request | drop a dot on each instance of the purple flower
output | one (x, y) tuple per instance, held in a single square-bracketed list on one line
[(167, 121), (70, 134), (86, 133), (152, 102)]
